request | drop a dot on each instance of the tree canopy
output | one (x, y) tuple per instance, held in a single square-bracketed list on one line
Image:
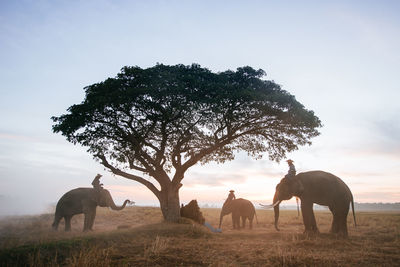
[(164, 119)]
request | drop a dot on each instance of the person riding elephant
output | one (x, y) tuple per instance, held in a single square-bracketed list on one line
[(231, 195), (292, 170), (96, 182)]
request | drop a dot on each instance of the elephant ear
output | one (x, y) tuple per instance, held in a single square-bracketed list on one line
[(298, 187), (96, 196), (103, 198)]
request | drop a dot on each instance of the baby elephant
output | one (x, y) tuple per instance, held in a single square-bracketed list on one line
[(240, 208), (83, 200)]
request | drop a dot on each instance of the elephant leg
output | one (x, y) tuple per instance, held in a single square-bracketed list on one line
[(341, 228), (244, 221), (91, 221), (339, 223), (86, 221), (67, 219), (335, 224), (251, 223), (314, 227), (335, 220), (308, 217), (88, 211), (237, 221), (57, 219), (305, 210), (342, 222)]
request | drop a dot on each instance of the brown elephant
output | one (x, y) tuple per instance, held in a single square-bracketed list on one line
[(321, 188), (240, 208), (83, 200)]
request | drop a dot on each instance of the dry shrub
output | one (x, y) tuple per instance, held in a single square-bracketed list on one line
[(198, 231), (29, 241), (159, 245), (36, 259), (90, 257)]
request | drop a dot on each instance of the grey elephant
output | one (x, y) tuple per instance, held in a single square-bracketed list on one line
[(240, 209), (321, 188), (83, 200)]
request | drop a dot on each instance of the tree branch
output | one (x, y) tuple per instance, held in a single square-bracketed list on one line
[(136, 178)]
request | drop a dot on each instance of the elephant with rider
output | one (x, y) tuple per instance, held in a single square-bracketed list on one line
[(321, 188), (241, 209), (84, 200)]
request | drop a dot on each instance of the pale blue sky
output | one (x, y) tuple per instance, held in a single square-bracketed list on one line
[(339, 58)]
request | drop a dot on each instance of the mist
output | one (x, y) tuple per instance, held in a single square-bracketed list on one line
[(12, 206)]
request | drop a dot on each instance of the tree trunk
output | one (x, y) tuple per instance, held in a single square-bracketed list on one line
[(169, 203)]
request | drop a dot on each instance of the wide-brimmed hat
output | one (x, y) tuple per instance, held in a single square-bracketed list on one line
[(231, 191), (289, 161)]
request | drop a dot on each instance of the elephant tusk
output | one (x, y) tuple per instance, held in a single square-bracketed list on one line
[(271, 205), (265, 206), (277, 203)]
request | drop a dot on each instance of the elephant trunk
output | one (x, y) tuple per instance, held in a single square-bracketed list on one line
[(275, 204), (224, 211), (220, 218), (115, 207)]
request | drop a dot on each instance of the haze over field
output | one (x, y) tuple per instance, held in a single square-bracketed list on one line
[(339, 59)]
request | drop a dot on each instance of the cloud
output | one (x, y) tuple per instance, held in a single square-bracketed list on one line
[(214, 179), (16, 137), (236, 172), (378, 139), (388, 133)]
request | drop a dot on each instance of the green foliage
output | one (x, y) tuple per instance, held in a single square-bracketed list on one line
[(166, 117)]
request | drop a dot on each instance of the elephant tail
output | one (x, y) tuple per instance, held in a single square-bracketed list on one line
[(354, 214)]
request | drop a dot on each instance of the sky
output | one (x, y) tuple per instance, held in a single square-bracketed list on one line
[(340, 59)]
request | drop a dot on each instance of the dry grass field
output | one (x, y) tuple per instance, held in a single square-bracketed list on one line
[(137, 236)]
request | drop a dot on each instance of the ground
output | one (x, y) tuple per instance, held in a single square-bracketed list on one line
[(137, 236)]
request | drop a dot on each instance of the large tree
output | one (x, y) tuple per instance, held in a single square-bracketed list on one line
[(162, 120)]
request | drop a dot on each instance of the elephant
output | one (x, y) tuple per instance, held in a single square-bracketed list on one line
[(240, 208), (83, 200), (318, 187)]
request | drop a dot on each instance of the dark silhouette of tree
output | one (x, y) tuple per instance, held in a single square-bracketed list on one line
[(162, 120)]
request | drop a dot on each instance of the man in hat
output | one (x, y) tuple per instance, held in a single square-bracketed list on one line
[(96, 182), (292, 170), (231, 195)]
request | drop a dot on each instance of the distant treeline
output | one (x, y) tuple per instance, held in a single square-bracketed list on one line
[(377, 206), (357, 206), (360, 207)]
